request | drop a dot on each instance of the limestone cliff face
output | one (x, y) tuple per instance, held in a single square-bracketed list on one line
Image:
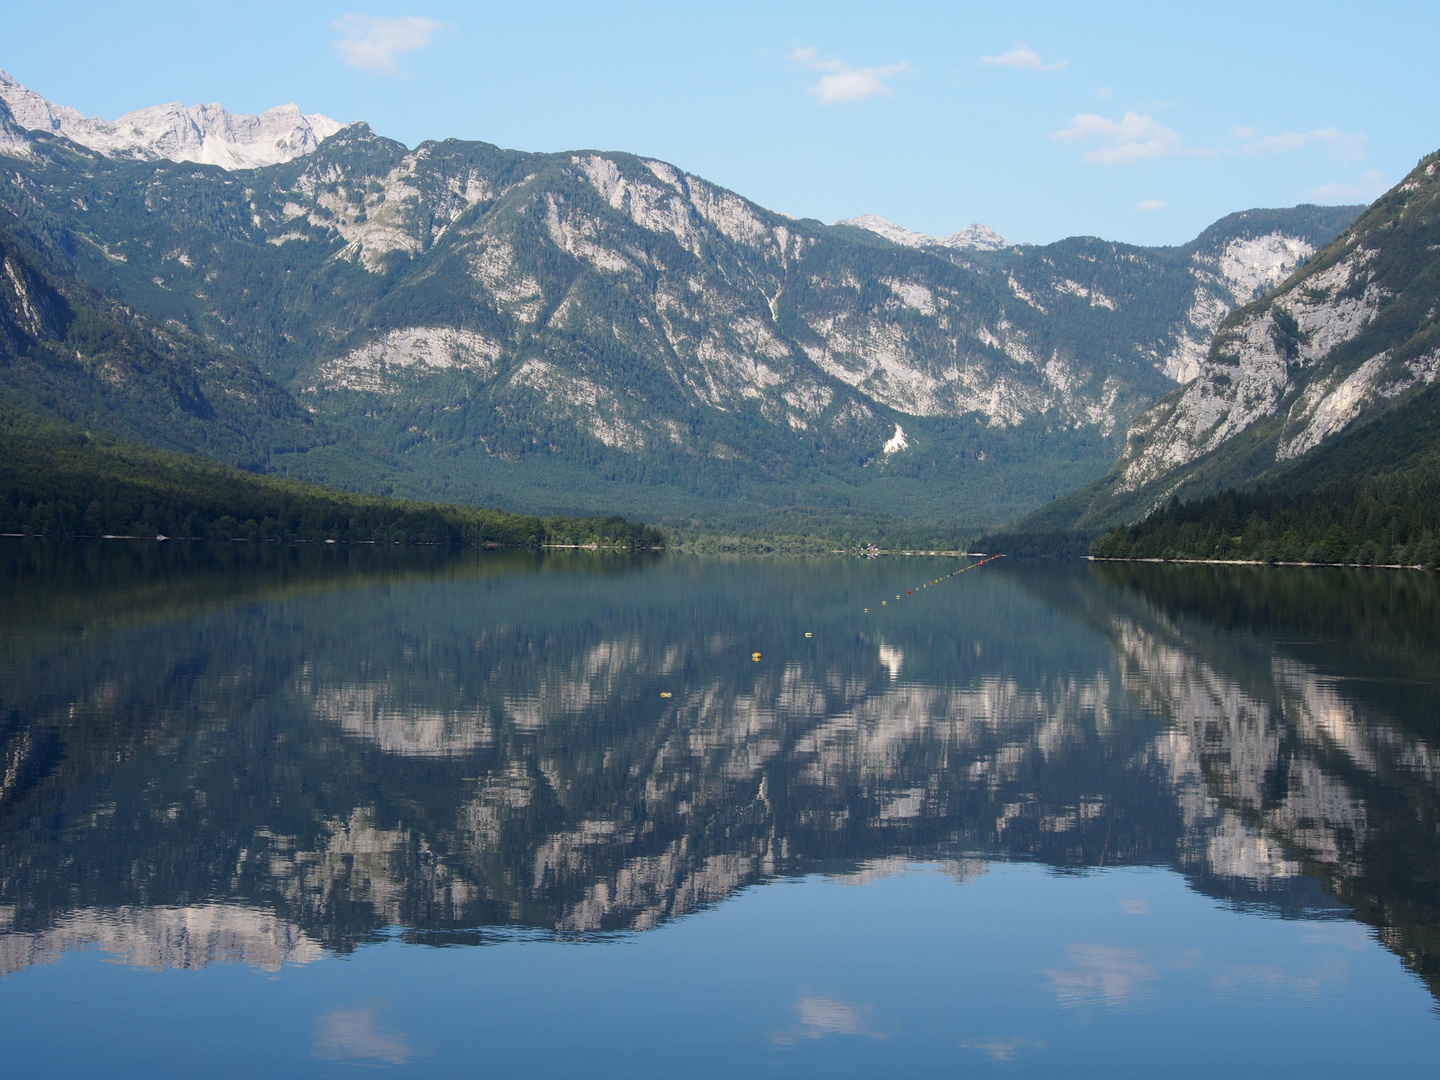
[(1351, 332), (1303, 356)]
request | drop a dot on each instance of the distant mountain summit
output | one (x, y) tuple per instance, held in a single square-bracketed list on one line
[(975, 236), (207, 134)]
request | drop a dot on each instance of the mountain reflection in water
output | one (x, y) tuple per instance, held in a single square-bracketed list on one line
[(214, 754)]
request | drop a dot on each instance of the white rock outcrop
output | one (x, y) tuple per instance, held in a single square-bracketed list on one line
[(205, 134), (976, 236)]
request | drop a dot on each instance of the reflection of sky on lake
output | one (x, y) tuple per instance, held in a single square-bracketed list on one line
[(1045, 974), (1029, 817)]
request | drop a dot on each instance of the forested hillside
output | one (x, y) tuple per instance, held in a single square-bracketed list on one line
[(55, 482), (1371, 495)]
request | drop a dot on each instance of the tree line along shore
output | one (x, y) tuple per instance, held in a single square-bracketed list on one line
[(75, 485)]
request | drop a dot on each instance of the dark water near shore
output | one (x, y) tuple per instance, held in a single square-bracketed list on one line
[(269, 810)]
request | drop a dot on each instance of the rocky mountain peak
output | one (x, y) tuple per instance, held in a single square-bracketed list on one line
[(974, 236), (206, 134)]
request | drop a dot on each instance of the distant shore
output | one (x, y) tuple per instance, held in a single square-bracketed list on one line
[(1266, 562)]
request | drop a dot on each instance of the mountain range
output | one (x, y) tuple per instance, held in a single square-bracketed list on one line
[(586, 331), (201, 133)]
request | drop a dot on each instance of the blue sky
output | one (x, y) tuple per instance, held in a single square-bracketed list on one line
[(1133, 122)]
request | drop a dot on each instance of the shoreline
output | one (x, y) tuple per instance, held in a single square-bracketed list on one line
[(1262, 562), (488, 544)]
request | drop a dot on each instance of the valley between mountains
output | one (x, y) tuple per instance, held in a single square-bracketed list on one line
[(592, 332)]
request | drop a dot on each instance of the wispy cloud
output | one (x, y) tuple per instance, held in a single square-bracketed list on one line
[(1345, 147), (1149, 206), (844, 85), (1134, 137), (1368, 188), (371, 43), (1023, 57)]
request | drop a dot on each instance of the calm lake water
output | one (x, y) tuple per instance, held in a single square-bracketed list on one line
[(283, 810)]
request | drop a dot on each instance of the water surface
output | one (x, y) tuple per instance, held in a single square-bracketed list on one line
[(304, 810)]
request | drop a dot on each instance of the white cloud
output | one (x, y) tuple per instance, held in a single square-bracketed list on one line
[(371, 43), (1149, 206), (1023, 57), (1103, 93), (843, 85), (810, 57), (1134, 137), (1276, 144), (1370, 187)]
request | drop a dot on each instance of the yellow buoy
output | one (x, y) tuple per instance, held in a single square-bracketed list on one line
[(755, 656), (884, 602), (808, 634)]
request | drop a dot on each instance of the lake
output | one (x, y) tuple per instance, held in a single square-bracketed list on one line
[(307, 810)]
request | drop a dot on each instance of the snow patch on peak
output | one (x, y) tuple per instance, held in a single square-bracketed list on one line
[(975, 236), (205, 134)]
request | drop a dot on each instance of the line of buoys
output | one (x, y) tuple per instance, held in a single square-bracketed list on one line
[(755, 656), (937, 581)]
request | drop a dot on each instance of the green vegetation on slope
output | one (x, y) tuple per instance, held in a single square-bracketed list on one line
[(59, 483), (1371, 495), (1389, 520)]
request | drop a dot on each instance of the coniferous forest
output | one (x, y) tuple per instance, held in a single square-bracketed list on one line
[(61, 483)]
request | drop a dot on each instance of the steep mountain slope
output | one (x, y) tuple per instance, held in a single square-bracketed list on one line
[(585, 331), (1346, 341), (67, 354)]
